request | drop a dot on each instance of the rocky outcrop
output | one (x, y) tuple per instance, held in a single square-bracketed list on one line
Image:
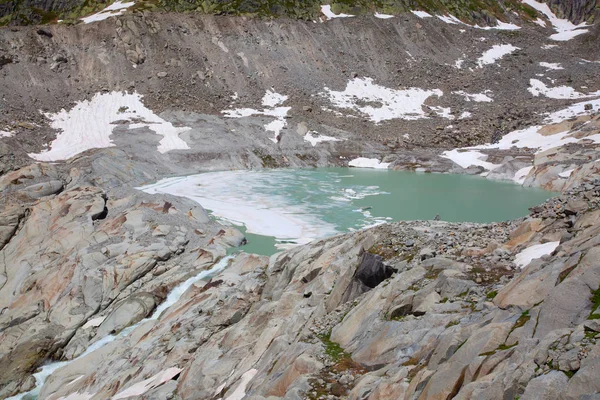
[(576, 11), (71, 257), (454, 320)]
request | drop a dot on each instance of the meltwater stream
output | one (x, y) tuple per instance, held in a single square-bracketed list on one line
[(172, 297), (280, 208)]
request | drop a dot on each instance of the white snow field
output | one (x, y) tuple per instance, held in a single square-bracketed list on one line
[(523, 258), (422, 14), (383, 16), (476, 97), (363, 162), (326, 10), (90, 123), (495, 53), (551, 66), (116, 8), (314, 138), (271, 100), (538, 88), (565, 29), (388, 104)]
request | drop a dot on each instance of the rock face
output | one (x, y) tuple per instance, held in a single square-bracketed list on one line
[(456, 325), (82, 253)]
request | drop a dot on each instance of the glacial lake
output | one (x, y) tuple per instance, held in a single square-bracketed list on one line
[(281, 208)]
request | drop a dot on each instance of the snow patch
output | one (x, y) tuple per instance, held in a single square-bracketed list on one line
[(549, 46), (314, 138), (362, 162), (502, 26), (383, 16), (523, 258), (465, 115), (458, 64), (565, 29), (240, 392), (4, 134), (469, 158), (142, 387), (538, 87), (386, 103), (567, 173), (495, 53), (450, 19), (476, 97), (90, 123), (94, 322), (422, 14), (271, 100), (326, 10), (551, 66), (116, 8), (521, 174)]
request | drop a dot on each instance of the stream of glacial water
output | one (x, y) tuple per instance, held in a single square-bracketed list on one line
[(173, 296), (281, 208)]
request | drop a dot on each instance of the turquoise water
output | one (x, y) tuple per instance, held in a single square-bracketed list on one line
[(281, 208)]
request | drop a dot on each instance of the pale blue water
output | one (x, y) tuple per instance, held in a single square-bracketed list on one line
[(282, 207)]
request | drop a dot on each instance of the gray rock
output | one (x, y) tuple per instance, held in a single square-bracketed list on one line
[(549, 386), (129, 312)]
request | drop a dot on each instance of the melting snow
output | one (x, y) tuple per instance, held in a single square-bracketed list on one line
[(549, 66), (314, 138), (450, 19), (383, 16), (540, 22), (142, 387), (495, 53), (567, 173), (6, 134), (559, 92), (422, 14), (251, 204), (116, 8), (458, 64), (536, 251), (465, 115), (94, 322), (502, 26), (565, 29), (240, 391), (476, 97), (326, 10), (270, 100), (386, 103), (469, 158), (90, 124), (525, 138), (363, 162), (549, 46), (521, 174)]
